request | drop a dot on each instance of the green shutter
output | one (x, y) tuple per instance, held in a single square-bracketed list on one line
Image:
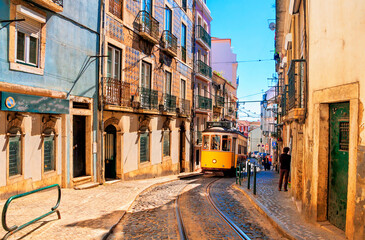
[(48, 153), (144, 152), (166, 143), (14, 155)]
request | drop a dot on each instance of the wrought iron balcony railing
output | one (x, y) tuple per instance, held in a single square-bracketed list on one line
[(169, 43), (283, 102), (116, 92), (296, 84), (58, 2), (204, 69), (219, 101), (148, 98), (203, 35), (183, 54), (204, 103), (169, 102), (148, 26), (184, 107), (116, 8)]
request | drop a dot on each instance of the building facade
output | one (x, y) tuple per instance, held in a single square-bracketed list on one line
[(318, 51), (146, 88), (202, 75), (48, 84)]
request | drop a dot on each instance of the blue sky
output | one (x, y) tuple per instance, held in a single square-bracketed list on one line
[(246, 23)]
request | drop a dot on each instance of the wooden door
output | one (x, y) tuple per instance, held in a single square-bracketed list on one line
[(110, 152), (79, 145), (182, 149), (338, 164)]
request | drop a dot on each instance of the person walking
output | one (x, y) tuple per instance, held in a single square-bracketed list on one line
[(285, 159)]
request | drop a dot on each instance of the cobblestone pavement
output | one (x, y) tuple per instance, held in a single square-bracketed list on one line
[(153, 214), (237, 207), (280, 207), (201, 221), (85, 214)]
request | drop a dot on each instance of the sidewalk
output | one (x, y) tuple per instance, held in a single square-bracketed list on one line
[(85, 214), (281, 210)]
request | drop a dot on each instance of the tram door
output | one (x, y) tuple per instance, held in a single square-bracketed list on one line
[(338, 164), (234, 152)]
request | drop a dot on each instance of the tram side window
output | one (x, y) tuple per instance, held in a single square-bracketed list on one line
[(216, 142), (205, 142), (239, 149), (226, 143)]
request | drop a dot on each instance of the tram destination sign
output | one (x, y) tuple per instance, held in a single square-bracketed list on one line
[(223, 124), (29, 103)]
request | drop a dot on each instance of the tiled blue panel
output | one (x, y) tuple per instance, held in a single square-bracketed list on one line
[(133, 6), (114, 28)]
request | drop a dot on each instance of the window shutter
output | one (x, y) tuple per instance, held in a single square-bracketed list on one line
[(29, 26)]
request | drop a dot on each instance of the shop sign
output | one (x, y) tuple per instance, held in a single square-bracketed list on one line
[(29, 103)]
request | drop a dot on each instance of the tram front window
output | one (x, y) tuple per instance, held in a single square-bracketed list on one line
[(226, 143), (205, 142), (216, 142)]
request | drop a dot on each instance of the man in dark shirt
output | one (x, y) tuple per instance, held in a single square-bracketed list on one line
[(285, 159)]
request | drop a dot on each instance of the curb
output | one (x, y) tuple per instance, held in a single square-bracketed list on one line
[(263, 210)]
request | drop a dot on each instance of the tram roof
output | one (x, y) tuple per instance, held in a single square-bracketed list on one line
[(222, 130)]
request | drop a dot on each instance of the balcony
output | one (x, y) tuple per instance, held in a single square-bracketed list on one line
[(169, 43), (184, 107), (296, 88), (219, 101), (148, 27), (117, 92), (148, 98), (203, 70), (203, 37), (204, 103), (169, 103), (53, 5)]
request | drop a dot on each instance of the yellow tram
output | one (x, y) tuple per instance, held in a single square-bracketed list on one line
[(222, 147)]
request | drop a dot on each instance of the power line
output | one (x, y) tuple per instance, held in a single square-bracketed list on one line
[(247, 61)]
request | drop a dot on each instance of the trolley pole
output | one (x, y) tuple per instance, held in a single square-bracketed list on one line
[(254, 180)]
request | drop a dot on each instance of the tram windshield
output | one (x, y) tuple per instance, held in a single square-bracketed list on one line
[(216, 142), (205, 142), (226, 143)]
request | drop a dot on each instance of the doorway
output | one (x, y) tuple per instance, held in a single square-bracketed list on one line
[(79, 133), (338, 163), (110, 152), (182, 148)]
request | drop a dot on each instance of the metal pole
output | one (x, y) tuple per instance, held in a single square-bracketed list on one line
[(248, 175), (254, 180)]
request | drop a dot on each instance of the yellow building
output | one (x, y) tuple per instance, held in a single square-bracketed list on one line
[(319, 46)]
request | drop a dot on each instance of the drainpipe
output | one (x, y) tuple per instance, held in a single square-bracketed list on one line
[(192, 135)]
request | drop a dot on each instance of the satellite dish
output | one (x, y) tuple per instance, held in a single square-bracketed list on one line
[(272, 26)]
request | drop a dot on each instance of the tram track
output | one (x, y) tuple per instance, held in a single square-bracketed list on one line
[(182, 227)]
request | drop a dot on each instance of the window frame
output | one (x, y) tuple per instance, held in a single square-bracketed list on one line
[(211, 142), (229, 143), (168, 131), (113, 61), (26, 49), (148, 157), (203, 146), (20, 155), (143, 74), (165, 88), (45, 135)]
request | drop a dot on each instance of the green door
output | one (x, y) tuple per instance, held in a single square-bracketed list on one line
[(338, 164), (110, 152)]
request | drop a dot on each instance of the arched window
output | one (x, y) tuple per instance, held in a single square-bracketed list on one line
[(15, 151)]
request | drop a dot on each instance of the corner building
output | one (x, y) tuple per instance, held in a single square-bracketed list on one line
[(145, 88)]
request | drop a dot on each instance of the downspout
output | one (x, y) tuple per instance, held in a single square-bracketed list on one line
[(306, 60), (192, 135)]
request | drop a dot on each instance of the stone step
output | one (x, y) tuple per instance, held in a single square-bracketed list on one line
[(81, 180), (86, 186)]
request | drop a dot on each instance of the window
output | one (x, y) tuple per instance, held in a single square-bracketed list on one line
[(168, 19), (206, 143), (116, 8), (183, 89), (114, 63), (183, 42), (146, 75), (144, 147), (28, 35), (167, 82), (216, 142), (49, 152), (184, 5), (226, 143), (15, 148), (147, 6), (166, 143)]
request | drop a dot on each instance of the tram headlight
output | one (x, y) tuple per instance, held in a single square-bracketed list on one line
[(214, 161)]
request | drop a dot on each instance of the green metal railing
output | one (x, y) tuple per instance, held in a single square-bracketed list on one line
[(204, 69), (169, 41), (283, 102), (219, 101), (169, 102), (149, 98), (296, 84), (14, 229), (204, 35), (204, 103)]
